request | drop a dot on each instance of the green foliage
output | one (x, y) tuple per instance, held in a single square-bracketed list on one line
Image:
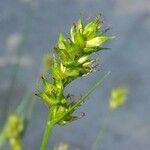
[(72, 60)]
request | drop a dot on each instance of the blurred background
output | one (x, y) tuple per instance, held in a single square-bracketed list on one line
[(29, 29)]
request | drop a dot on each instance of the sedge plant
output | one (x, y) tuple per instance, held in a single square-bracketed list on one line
[(70, 61)]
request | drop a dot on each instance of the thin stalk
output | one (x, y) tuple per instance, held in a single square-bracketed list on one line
[(2, 138), (47, 133), (27, 103), (102, 131), (16, 66)]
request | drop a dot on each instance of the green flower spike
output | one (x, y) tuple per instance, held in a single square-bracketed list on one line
[(117, 98), (13, 131), (72, 60), (61, 146)]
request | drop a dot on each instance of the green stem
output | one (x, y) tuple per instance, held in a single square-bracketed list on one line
[(2, 137), (103, 130), (16, 66), (47, 133)]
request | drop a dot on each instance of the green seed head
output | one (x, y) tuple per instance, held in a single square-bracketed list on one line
[(117, 98), (72, 60)]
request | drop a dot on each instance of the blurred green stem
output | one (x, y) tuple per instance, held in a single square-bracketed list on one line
[(2, 137), (47, 133), (16, 66), (103, 130)]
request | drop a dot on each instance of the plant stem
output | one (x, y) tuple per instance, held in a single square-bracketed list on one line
[(2, 137), (16, 66), (47, 133), (103, 130)]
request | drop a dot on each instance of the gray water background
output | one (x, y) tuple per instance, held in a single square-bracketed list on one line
[(36, 24)]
